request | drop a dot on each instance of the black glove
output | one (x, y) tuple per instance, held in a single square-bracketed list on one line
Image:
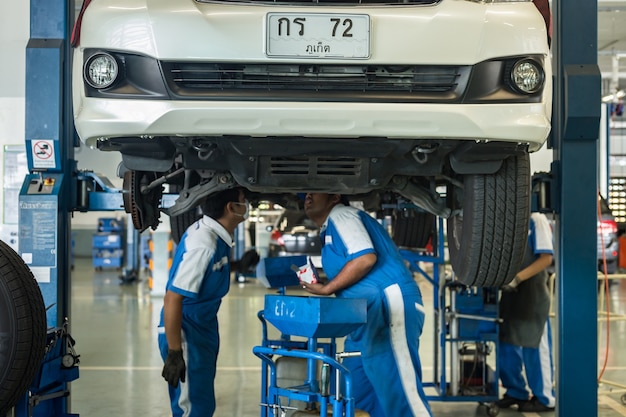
[(174, 368)]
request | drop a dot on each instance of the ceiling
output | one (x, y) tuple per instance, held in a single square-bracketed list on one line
[(611, 40)]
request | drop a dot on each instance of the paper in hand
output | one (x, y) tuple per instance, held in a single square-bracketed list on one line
[(306, 273)]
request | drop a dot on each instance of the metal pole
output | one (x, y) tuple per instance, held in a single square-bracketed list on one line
[(575, 129)]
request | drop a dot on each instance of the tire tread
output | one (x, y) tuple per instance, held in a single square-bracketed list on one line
[(494, 227)]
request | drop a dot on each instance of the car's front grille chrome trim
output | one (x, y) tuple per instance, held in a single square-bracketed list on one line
[(192, 80)]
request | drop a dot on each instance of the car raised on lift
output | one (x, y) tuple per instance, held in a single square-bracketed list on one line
[(438, 102)]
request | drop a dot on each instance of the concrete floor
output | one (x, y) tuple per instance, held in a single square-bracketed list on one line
[(120, 368)]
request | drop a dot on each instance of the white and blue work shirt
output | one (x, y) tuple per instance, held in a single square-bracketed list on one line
[(349, 233), (540, 235), (201, 270)]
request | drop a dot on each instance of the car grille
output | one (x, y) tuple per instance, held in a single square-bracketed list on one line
[(299, 82), (319, 166)]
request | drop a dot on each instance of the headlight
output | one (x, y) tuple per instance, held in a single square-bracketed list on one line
[(101, 70), (527, 76)]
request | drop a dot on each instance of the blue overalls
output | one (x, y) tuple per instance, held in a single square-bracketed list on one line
[(525, 334), (201, 273), (387, 375)]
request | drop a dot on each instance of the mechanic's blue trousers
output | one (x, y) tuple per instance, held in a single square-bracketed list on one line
[(196, 396), (538, 367), (387, 377)]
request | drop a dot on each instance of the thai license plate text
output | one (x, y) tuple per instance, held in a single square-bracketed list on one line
[(317, 35)]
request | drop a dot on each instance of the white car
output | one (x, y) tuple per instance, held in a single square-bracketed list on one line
[(436, 102)]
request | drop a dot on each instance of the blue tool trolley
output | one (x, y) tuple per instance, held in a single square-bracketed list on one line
[(311, 319), (466, 333)]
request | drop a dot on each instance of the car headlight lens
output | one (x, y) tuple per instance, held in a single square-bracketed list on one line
[(527, 76), (101, 71)]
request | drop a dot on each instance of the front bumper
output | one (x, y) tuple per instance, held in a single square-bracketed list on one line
[(525, 123)]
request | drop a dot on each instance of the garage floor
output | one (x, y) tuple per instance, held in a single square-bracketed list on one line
[(120, 368)]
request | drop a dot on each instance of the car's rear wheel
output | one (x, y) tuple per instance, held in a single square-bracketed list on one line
[(487, 239), (180, 223), (22, 328), (412, 229)]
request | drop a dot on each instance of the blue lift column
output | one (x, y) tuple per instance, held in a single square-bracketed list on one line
[(575, 130), (48, 193)]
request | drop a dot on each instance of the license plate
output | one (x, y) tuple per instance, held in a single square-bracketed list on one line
[(317, 35)]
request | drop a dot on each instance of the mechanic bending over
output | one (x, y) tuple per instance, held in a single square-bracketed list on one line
[(361, 261), (199, 278)]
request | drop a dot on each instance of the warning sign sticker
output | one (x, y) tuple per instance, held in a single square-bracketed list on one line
[(43, 153)]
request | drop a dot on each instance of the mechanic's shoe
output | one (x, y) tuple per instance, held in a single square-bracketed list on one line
[(534, 406), (507, 401)]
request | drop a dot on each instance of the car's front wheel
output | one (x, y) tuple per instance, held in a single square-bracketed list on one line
[(487, 239)]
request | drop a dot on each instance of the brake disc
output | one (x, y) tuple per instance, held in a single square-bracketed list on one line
[(142, 206)]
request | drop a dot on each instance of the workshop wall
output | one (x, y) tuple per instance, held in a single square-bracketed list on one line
[(14, 35)]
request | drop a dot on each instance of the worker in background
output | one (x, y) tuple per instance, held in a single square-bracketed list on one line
[(361, 261), (199, 278), (525, 334)]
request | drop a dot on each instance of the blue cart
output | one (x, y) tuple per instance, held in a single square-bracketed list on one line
[(318, 321), (466, 334), (309, 327)]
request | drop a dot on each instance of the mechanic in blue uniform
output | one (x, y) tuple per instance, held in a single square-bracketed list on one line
[(199, 278), (361, 261), (525, 334)]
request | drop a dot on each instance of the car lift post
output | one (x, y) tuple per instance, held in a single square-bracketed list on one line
[(48, 193), (575, 131)]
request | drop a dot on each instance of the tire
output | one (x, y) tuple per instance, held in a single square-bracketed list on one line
[(22, 328), (412, 229), (487, 240), (180, 223)]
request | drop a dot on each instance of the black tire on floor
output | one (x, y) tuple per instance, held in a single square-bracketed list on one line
[(488, 239), (22, 328)]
